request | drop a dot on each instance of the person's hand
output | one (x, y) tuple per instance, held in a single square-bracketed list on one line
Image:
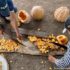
[(19, 37), (51, 58)]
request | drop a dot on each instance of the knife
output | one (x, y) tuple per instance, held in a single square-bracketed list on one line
[(63, 46), (24, 42), (6, 35), (15, 40)]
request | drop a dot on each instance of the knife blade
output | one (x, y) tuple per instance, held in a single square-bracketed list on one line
[(24, 42), (63, 46), (28, 43), (6, 35), (15, 40)]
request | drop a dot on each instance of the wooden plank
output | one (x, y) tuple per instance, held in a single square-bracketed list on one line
[(32, 32), (30, 48)]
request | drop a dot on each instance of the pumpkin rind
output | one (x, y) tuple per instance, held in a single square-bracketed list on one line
[(37, 12), (62, 39), (61, 14), (23, 16)]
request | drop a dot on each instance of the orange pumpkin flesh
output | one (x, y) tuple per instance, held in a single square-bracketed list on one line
[(22, 15), (62, 39), (43, 44), (8, 45)]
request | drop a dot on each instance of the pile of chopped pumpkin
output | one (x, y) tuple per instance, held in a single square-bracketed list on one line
[(44, 44), (8, 45)]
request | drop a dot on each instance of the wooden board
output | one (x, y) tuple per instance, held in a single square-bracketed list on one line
[(30, 48), (32, 32), (33, 51)]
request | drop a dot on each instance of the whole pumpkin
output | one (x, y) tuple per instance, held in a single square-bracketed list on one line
[(37, 12), (62, 39), (23, 16), (61, 14)]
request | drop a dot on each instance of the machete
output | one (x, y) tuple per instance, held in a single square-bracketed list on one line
[(60, 46)]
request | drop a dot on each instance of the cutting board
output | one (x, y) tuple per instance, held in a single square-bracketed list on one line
[(32, 32), (30, 48)]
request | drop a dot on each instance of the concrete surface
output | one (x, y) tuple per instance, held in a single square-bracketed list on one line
[(28, 62)]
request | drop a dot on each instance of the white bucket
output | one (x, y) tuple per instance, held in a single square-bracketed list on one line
[(4, 63)]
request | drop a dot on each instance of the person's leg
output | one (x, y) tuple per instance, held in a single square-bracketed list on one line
[(4, 9), (11, 6)]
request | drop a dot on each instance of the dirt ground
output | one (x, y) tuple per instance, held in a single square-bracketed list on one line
[(27, 62)]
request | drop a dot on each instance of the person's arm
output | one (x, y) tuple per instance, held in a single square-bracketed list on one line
[(13, 22), (63, 62)]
